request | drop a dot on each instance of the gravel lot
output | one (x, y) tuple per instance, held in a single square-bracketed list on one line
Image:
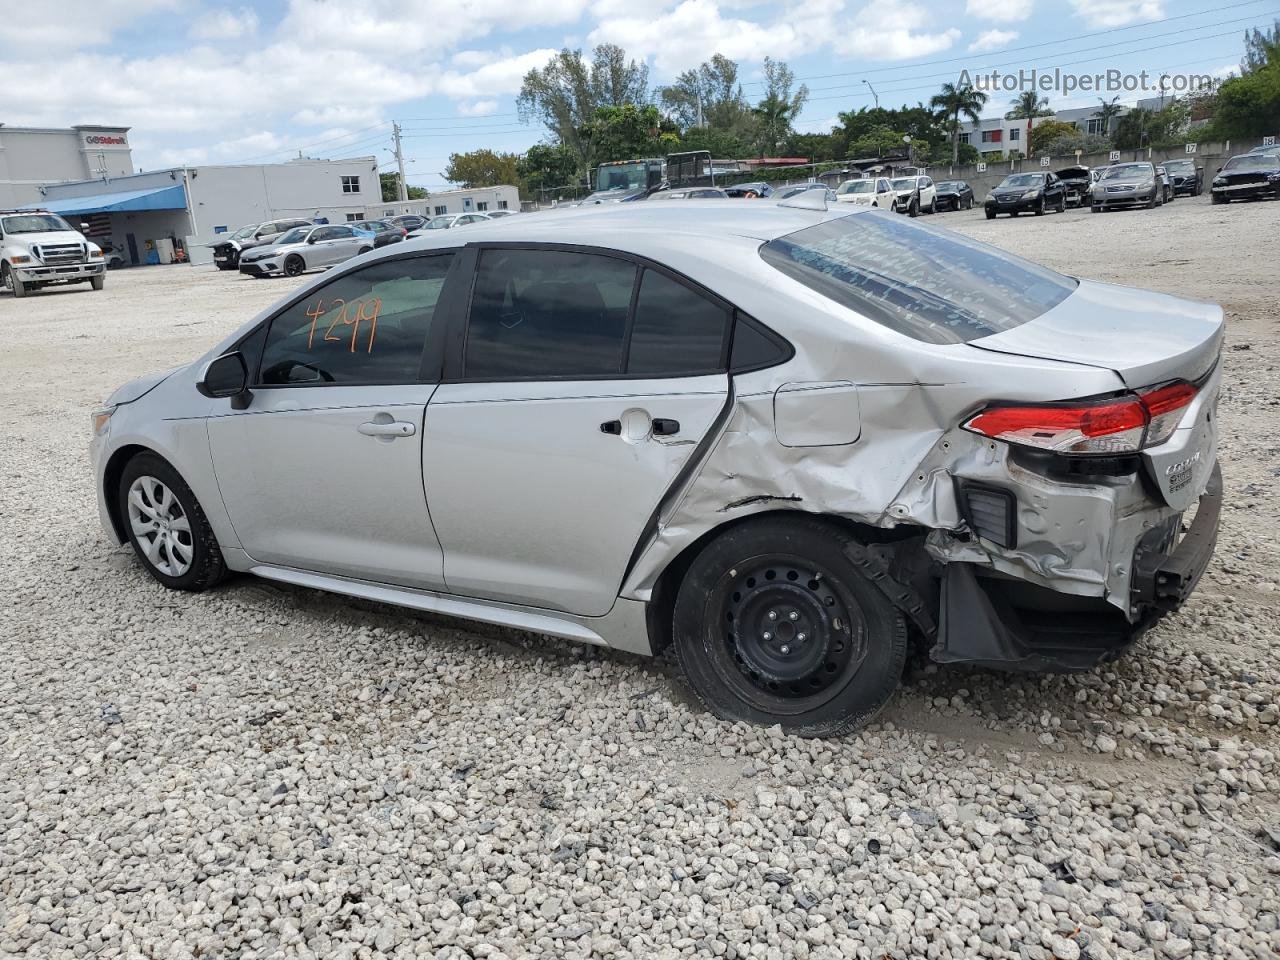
[(272, 772)]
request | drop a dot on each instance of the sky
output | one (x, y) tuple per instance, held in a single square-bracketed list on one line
[(202, 82)]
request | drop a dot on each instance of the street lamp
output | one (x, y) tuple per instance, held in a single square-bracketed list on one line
[(873, 92)]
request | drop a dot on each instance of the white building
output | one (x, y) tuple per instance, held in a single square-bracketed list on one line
[(31, 157), (191, 205), (477, 200), (995, 135)]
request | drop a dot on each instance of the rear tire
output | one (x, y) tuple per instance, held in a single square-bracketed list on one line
[(774, 624), (167, 526), (933, 205), (98, 282)]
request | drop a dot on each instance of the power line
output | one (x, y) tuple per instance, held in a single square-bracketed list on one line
[(1033, 46), (318, 143)]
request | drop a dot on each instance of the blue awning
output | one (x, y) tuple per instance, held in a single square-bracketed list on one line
[(156, 198)]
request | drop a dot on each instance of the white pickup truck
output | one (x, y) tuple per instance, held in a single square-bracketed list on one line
[(38, 248)]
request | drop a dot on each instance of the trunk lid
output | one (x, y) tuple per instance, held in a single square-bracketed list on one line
[(1146, 338)]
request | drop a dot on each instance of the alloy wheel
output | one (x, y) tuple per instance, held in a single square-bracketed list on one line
[(161, 526)]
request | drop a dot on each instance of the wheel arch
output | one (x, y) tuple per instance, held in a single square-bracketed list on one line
[(661, 606), (111, 475)]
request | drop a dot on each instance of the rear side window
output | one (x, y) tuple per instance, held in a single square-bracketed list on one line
[(367, 326), (928, 285), (676, 330), (547, 314)]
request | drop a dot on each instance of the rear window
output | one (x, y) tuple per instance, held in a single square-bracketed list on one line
[(929, 285)]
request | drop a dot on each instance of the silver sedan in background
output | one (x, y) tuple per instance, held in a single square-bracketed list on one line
[(305, 248), (785, 440)]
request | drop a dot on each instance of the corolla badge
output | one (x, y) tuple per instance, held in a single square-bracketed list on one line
[(1181, 465)]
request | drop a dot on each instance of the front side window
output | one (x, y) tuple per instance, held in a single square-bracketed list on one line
[(350, 184), (368, 326), (933, 286), (547, 314)]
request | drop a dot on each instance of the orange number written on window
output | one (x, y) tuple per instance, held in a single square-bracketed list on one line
[(344, 314)]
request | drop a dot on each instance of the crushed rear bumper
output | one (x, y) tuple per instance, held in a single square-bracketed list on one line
[(998, 621)]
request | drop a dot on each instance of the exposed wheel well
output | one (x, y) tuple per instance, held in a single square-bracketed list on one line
[(662, 604), (111, 482)]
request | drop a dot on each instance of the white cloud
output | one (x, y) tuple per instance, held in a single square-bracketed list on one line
[(1117, 13), (71, 24), (992, 40), (477, 108), (1002, 11), (493, 79), (225, 25), (892, 31)]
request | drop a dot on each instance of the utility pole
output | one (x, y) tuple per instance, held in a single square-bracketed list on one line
[(401, 190), (701, 122)]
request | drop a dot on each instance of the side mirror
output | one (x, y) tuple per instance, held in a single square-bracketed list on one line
[(84, 228), (312, 238), (226, 376)]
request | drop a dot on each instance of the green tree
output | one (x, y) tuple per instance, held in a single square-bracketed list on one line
[(954, 102), (1152, 128), (710, 96), (390, 193), (547, 167), (1046, 131), (627, 132), (818, 147), (1029, 106), (723, 144), (1108, 113), (779, 107), (482, 168), (565, 94), (1249, 106), (1261, 49)]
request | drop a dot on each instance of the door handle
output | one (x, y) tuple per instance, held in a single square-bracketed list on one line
[(392, 429), (665, 428)]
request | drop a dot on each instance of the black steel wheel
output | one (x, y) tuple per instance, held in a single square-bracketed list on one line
[(775, 623)]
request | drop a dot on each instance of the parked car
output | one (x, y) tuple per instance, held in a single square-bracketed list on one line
[(954, 195), (643, 425), (1186, 176), (690, 193), (1027, 193), (795, 189), (1166, 183), (499, 214), (750, 190), (447, 221), (382, 232), (1127, 185), (410, 222), (1251, 176), (1077, 179), (867, 192), (305, 248), (1266, 148), (914, 194), (227, 251)]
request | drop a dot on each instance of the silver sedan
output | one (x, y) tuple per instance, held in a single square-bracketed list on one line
[(305, 248), (787, 441)]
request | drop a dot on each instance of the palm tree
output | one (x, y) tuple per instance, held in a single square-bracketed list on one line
[(953, 102), (1027, 107), (774, 116), (1109, 111)]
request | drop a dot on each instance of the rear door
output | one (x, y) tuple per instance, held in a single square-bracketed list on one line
[(577, 389)]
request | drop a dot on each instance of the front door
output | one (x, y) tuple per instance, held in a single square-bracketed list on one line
[(323, 470), (574, 407)]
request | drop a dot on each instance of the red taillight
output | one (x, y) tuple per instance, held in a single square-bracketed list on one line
[(1124, 425)]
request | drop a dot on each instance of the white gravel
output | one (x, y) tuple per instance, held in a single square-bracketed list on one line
[(265, 772)]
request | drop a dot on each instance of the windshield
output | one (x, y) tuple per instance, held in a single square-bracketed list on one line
[(857, 186), (244, 233), (35, 223), (948, 185), (1129, 171), (931, 285), (623, 176), (440, 223), (1254, 161), (1180, 166), (904, 183), (1023, 180), (296, 235)]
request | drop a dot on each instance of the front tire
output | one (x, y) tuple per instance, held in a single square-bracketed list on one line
[(914, 209), (1040, 208), (167, 526), (98, 282), (294, 265), (991, 214), (775, 624)]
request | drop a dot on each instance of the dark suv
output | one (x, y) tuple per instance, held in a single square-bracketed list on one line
[(1027, 193), (1186, 177)]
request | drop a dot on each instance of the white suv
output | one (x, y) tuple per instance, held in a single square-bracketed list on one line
[(38, 248), (915, 194), (867, 192)]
